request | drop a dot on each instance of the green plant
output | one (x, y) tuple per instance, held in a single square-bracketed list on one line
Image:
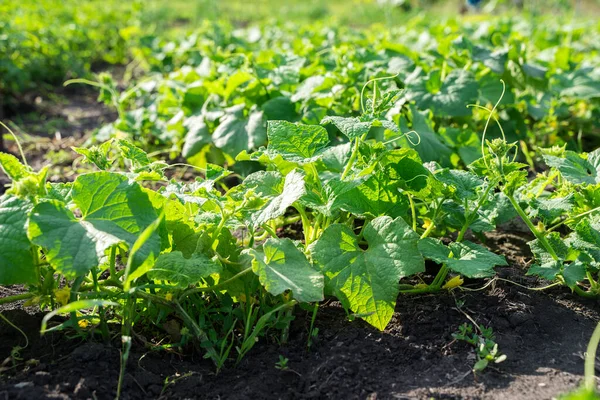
[(282, 364), (483, 340)]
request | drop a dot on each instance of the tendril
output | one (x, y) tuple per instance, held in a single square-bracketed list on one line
[(487, 122), (408, 137), (362, 92)]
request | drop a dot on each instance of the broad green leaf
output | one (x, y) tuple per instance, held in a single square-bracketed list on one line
[(293, 189), (377, 196), (17, 264), (466, 258), (334, 158), (465, 183), (366, 281), (280, 108), (550, 209), (113, 211), (296, 142), (196, 137), (573, 273), (281, 266), (586, 238), (459, 89), (237, 133), (576, 169), (473, 260), (580, 84), (548, 270), (180, 271)]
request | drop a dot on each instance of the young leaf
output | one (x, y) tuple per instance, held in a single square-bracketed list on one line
[(377, 196), (13, 167), (281, 266), (366, 281)]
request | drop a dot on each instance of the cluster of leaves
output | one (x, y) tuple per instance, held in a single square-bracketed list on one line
[(208, 96), (140, 249), (560, 206), (44, 41), (484, 342)]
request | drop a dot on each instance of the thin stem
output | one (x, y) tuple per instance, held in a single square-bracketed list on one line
[(413, 212), (573, 218), (471, 216), (269, 230), (16, 297), (17, 328), (113, 262), (200, 334), (103, 325), (543, 241), (215, 287), (353, 156), (590, 360), (305, 222)]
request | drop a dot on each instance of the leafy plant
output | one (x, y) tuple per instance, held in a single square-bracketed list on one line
[(483, 340)]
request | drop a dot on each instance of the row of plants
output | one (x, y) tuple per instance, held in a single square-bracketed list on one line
[(208, 96), (45, 42), (228, 258)]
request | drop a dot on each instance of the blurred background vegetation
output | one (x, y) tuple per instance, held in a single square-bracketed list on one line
[(44, 42)]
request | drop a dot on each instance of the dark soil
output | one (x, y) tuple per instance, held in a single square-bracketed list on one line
[(544, 335)]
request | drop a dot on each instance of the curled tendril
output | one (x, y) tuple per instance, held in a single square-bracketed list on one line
[(417, 176), (362, 92), (17, 141), (487, 122), (408, 137)]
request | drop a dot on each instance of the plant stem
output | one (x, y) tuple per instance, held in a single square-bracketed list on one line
[(16, 297), (353, 156), (199, 333), (215, 287), (113, 261), (305, 222), (583, 293), (103, 325), (543, 241), (590, 359), (269, 230), (413, 212)]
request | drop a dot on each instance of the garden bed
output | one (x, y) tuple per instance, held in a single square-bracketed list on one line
[(544, 334)]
